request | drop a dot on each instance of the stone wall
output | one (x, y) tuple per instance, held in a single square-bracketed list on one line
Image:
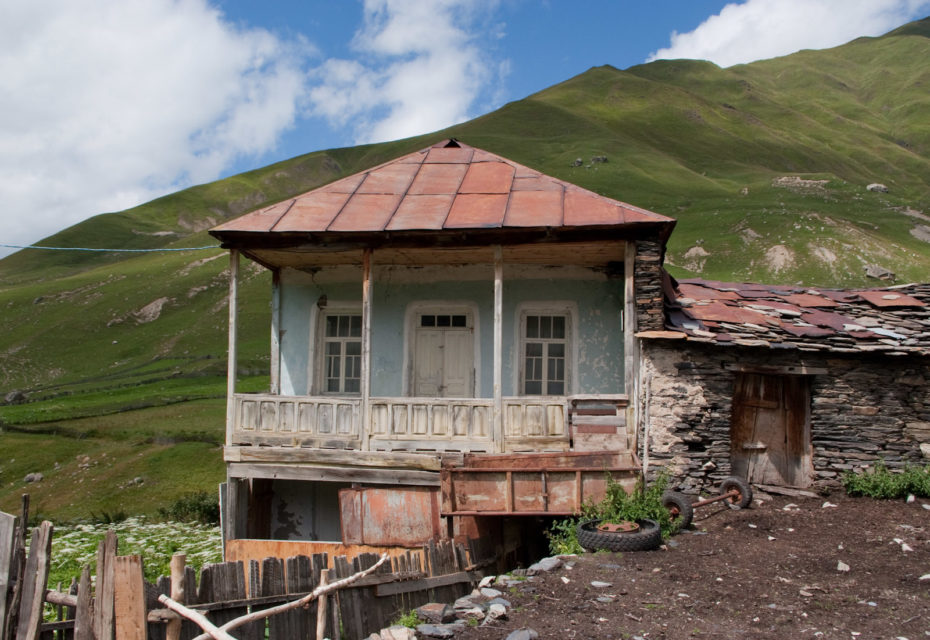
[(865, 408), (647, 283)]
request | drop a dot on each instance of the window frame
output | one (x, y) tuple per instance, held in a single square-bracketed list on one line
[(569, 311), (321, 355)]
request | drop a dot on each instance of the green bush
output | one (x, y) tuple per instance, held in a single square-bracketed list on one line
[(617, 506), (410, 620), (882, 483), (198, 506)]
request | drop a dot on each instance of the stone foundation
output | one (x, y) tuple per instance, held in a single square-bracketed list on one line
[(863, 409)]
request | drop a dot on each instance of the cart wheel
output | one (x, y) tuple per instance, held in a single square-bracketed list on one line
[(679, 508), (744, 497), (646, 537)]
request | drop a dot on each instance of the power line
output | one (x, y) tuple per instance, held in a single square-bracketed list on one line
[(32, 246)]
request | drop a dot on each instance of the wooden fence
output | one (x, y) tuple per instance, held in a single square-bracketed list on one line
[(124, 606)]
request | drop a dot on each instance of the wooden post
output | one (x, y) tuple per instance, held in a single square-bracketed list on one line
[(34, 579), (178, 561), (321, 608), (498, 413), (275, 332), (103, 602), (366, 350), (84, 614), (631, 364), (129, 598), (7, 537), (232, 354)]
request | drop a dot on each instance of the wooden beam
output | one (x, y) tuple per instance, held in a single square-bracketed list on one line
[(334, 474), (631, 361), (275, 332), (366, 347), (498, 413), (793, 369), (330, 457), (406, 586), (231, 351)]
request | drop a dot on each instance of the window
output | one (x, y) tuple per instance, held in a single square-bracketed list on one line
[(342, 353), (545, 350)]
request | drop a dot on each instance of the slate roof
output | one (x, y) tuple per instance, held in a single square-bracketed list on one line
[(447, 187), (893, 320)]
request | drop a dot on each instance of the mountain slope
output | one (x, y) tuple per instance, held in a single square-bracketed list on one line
[(765, 166)]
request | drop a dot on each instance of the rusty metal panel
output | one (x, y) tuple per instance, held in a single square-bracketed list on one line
[(889, 299), (261, 220), (366, 212), (585, 208), (809, 300), (312, 212), (477, 210), (389, 516), (534, 209), (392, 178), (488, 177), (435, 179)]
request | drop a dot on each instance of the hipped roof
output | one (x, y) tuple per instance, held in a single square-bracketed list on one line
[(447, 188)]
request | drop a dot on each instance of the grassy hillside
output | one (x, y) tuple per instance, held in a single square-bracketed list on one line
[(122, 356)]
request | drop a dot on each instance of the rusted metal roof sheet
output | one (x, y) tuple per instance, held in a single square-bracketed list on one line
[(892, 320), (449, 186)]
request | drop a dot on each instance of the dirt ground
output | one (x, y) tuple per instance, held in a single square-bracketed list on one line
[(770, 571)]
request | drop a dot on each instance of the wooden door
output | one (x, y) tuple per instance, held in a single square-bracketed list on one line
[(444, 362), (770, 429)]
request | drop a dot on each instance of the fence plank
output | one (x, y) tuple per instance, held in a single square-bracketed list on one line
[(7, 537), (103, 603), (129, 598), (34, 583), (84, 613), (273, 585)]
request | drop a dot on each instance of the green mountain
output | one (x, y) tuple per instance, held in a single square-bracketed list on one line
[(121, 357)]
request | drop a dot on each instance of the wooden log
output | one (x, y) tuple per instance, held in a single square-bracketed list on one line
[(103, 602), (129, 598), (7, 549), (84, 613), (178, 593), (34, 578), (322, 606)]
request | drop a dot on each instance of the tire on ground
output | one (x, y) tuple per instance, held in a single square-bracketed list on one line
[(744, 499), (679, 508), (646, 538)]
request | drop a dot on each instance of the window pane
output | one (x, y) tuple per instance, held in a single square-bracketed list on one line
[(557, 349), (558, 327), (458, 321), (343, 326), (353, 348), (355, 329), (545, 327), (443, 321), (332, 324), (427, 321), (532, 388), (532, 326), (534, 349), (353, 386), (556, 389)]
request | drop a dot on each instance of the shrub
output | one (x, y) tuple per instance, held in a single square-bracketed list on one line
[(410, 619), (199, 506), (882, 483), (563, 537)]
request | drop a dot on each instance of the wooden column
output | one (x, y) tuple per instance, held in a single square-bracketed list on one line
[(631, 365), (366, 349), (276, 332), (231, 353), (498, 422)]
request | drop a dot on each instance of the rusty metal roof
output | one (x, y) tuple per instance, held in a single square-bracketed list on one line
[(892, 320), (449, 186)]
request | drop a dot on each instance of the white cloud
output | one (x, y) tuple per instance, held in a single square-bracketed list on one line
[(422, 66), (108, 103), (759, 29)]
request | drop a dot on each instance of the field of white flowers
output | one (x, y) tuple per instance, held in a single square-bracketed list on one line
[(74, 546)]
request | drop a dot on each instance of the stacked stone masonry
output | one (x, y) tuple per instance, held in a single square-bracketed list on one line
[(647, 279), (863, 409)]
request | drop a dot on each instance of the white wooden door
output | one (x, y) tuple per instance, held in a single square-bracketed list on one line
[(444, 362)]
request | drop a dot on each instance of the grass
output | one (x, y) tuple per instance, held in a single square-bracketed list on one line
[(882, 483)]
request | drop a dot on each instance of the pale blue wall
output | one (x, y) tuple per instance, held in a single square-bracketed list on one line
[(599, 356)]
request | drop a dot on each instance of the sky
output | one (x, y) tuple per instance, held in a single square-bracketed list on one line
[(106, 104)]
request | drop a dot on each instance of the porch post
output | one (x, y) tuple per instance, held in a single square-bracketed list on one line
[(631, 367), (276, 331), (498, 423), (231, 352), (366, 349)]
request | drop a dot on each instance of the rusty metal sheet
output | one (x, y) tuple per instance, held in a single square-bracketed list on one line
[(699, 292), (725, 313), (477, 211), (534, 209), (261, 220), (584, 208), (312, 212), (834, 321), (809, 300), (348, 184), (887, 298), (456, 155), (807, 332), (421, 212), (488, 177), (535, 183), (391, 178), (389, 516), (366, 212), (438, 179)]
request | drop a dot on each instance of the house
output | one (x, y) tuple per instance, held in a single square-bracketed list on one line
[(453, 354), (787, 385)]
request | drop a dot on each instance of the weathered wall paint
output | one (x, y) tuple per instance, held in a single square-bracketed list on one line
[(306, 510), (596, 300)]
